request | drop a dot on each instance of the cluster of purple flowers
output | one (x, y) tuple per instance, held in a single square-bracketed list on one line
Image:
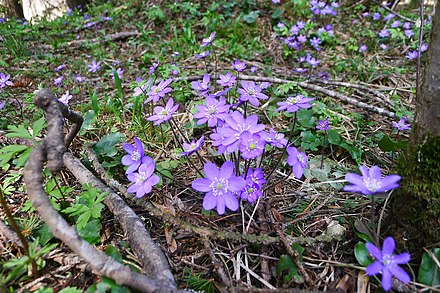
[(140, 169), (322, 8)]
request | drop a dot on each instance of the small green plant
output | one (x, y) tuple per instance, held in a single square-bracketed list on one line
[(197, 282)]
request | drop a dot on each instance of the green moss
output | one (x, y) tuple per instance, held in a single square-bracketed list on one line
[(414, 216)]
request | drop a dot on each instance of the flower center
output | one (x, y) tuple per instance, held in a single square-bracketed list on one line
[(140, 178), (387, 260), (164, 112), (193, 146), (251, 92), (300, 158), (135, 156), (219, 186), (372, 184), (252, 146)]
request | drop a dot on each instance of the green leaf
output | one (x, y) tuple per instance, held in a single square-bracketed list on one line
[(429, 272), (106, 146), (44, 234), (387, 144), (333, 137), (38, 126), (19, 131), (362, 255), (251, 17), (91, 232), (94, 99), (70, 290), (286, 263), (113, 252)]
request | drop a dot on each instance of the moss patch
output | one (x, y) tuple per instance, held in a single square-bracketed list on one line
[(414, 216)]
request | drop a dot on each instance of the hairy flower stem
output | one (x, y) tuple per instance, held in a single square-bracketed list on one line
[(15, 227), (284, 149), (322, 150), (373, 225)]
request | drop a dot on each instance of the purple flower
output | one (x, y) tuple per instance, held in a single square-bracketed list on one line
[(227, 80), (300, 24), (371, 181), (220, 186), (95, 66), (144, 179), (389, 17), (163, 114), (202, 86), (312, 61), (280, 25), (264, 85), (153, 68), (408, 33), (251, 92), (412, 55), (106, 18), (384, 33), (58, 80), (423, 47), (212, 111), (395, 24), (58, 68), (4, 80), (2, 104), (228, 138), (141, 89), (315, 42), (79, 78), (252, 145), (275, 139), (302, 39), (376, 16), (365, 14), (192, 147), (387, 263), (323, 125), (209, 40), (251, 192), (119, 72), (401, 125), (159, 91), (134, 157), (407, 25), (276, 1), (294, 30), (363, 48), (238, 65), (383, 46), (294, 103), (297, 160), (65, 98), (203, 55)]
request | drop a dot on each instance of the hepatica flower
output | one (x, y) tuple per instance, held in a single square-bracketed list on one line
[(251, 92), (144, 179), (387, 263), (371, 181), (58, 80), (412, 55), (239, 65), (254, 185), (4, 80), (227, 80), (141, 88), (60, 67), (275, 139), (163, 114), (208, 40), (384, 33), (203, 55), (192, 147), (95, 66), (65, 98), (323, 125), (401, 125), (212, 111), (202, 86), (293, 104), (159, 91), (220, 186), (135, 154), (251, 146), (297, 160), (79, 78)]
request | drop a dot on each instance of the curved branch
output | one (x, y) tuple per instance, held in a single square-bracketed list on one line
[(52, 149)]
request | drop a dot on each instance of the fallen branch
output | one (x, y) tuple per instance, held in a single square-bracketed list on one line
[(51, 149)]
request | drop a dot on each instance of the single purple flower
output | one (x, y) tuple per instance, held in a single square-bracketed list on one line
[(79, 78), (294, 30), (264, 85), (383, 47), (192, 147), (65, 98), (371, 181), (142, 88), (388, 263), (106, 18), (95, 66), (275, 139), (389, 17), (315, 42), (208, 40), (408, 33), (251, 192), (300, 24), (153, 68), (376, 16), (220, 186), (302, 39), (212, 111), (297, 160), (406, 25), (323, 125), (238, 65), (251, 92), (256, 176), (202, 86), (395, 24), (365, 14), (119, 72), (280, 25), (163, 114), (384, 33), (423, 47), (362, 48), (58, 80), (276, 1), (293, 104), (312, 61), (2, 104), (252, 145), (203, 55), (60, 67), (412, 55), (144, 179), (227, 80), (401, 125), (159, 91), (134, 157), (4, 80)]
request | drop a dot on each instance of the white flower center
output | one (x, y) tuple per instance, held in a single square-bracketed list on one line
[(372, 184), (135, 156), (219, 186)]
